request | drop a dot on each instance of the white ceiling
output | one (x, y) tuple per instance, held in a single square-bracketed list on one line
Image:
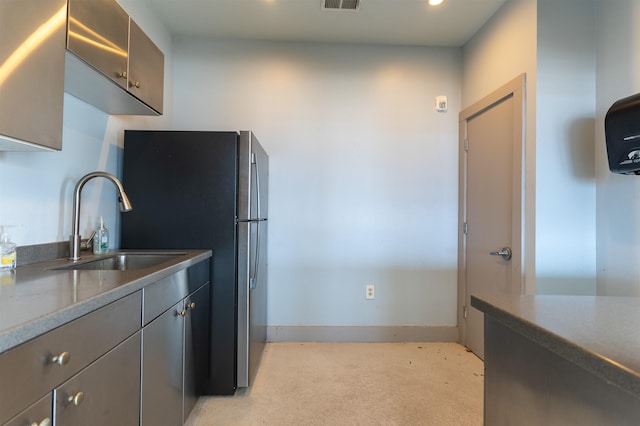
[(396, 22)]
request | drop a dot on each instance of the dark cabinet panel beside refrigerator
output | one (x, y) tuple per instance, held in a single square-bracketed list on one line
[(208, 190)]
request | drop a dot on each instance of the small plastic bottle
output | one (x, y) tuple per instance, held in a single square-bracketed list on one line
[(7, 251), (101, 239)]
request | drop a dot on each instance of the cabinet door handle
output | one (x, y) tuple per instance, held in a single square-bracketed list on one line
[(61, 359), (123, 74), (181, 313), (136, 84), (75, 399), (191, 305), (44, 422)]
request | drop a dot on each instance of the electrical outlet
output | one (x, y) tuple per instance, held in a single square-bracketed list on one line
[(370, 292)]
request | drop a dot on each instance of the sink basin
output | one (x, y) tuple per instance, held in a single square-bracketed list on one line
[(124, 262)]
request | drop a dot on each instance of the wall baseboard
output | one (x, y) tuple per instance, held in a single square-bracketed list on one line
[(368, 334)]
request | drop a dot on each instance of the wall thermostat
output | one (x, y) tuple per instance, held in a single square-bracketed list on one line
[(441, 103)]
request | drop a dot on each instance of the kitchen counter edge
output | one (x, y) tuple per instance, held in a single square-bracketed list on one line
[(130, 282), (619, 367)]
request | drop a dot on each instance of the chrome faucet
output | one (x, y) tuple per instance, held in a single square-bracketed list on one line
[(75, 238)]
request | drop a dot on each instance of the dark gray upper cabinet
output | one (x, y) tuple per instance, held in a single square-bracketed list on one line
[(98, 33), (103, 59), (103, 38), (32, 40), (146, 68)]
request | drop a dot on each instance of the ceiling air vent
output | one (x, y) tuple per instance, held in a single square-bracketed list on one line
[(340, 4)]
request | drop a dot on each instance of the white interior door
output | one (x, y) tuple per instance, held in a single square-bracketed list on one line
[(491, 204)]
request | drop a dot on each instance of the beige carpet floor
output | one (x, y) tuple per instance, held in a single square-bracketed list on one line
[(355, 384)]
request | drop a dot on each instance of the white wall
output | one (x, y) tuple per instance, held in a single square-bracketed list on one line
[(565, 175), (363, 171), (618, 196), (36, 189), (553, 43), (363, 175)]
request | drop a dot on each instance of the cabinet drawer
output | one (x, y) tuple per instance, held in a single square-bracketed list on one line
[(199, 274), (38, 414), (163, 294), (33, 367)]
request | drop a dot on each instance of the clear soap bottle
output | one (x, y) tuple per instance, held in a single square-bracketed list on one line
[(101, 239), (7, 251)]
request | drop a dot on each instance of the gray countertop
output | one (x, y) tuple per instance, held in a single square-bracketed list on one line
[(35, 298), (598, 333)]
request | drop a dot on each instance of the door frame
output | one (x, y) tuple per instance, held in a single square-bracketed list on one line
[(516, 89)]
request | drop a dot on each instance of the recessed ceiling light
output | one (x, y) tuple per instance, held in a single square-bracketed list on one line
[(435, 2)]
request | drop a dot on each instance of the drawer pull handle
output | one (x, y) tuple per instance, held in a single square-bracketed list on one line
[(61, 359), (45, 422), (75, 399), (191, 305)]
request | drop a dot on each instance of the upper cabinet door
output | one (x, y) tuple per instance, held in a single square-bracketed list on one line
[(146, 68), (99, 35), (32, 35), (102, 36)]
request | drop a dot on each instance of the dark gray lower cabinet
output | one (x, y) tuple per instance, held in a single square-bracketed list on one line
[(107, 368), (170, 359), (526, 384), (196, 346), (162, 359), (106, 393), (72, 353)]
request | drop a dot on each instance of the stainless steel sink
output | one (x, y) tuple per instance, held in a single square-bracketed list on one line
[(124, 262)]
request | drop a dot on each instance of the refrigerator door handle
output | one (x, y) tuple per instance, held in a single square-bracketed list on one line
[(254, 275), (256, 260), (254, 163), (258, 218)]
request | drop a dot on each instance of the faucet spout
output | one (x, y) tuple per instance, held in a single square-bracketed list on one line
[(123, 200)]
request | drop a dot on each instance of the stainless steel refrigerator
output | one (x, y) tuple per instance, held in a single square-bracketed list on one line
[(208, 190)]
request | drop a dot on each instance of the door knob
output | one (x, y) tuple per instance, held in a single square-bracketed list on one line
[(505, 252)]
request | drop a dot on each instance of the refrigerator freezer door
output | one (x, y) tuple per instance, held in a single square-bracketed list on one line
[(252, 255)]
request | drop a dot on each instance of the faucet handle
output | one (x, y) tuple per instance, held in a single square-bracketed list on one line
[(88, 243)]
